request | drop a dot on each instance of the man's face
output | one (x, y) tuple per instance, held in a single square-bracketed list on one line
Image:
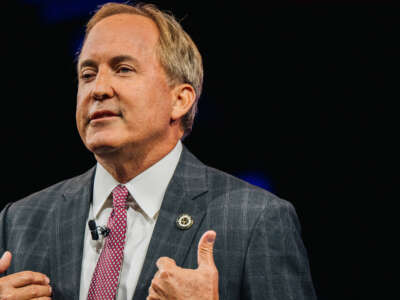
[(123, 96)]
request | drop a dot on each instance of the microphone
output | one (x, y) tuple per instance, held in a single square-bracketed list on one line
[(94, 230)]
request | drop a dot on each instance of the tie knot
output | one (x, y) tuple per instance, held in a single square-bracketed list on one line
[(120, 193)]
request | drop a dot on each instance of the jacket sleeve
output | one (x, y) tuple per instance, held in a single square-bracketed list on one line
[(276, 265)]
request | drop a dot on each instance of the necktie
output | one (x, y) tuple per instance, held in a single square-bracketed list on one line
[(105, 278)]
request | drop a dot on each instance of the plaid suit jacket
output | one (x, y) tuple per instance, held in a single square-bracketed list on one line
[(258, 251)]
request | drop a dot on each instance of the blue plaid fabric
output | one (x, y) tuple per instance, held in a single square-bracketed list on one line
[(259, 252)]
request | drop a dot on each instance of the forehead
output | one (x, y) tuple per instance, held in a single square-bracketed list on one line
[(121, 34)]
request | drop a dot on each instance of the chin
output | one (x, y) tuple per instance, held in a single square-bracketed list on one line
[(103, 150), (102, 146)]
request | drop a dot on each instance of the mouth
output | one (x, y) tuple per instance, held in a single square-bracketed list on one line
[(103, 114)]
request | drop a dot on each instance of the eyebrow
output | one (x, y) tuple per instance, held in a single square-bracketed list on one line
[(113, 61), (87, 63), (121, 58)]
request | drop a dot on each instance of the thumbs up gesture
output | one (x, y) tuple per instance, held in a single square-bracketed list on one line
[(173, 282)]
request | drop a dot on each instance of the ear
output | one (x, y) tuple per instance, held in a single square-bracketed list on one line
[(184, 96)]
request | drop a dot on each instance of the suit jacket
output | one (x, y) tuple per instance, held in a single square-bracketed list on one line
[(258, 250)]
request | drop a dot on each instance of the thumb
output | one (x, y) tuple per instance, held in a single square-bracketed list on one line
[(5, 261), (205, 249)]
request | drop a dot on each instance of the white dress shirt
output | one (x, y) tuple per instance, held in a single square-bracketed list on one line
[(146, 194)]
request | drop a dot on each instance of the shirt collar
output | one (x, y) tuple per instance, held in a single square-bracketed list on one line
[(147, 188)]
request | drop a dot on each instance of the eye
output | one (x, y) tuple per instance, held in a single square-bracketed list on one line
[(124, 69), (87, 75)]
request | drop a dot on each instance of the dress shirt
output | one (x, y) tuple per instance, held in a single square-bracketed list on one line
[(146, 192)]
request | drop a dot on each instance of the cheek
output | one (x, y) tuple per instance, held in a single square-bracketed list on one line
[(161, 107), (80, 113)]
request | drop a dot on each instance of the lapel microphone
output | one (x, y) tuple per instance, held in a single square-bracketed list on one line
[(95, 230)]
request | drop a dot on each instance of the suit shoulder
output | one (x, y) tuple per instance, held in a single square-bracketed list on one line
[(226, 187), (54, 191), (227, 190)]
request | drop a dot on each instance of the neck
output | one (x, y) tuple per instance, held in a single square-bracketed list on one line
[(125, 164)]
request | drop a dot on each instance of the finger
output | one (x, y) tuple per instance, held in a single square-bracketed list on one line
[(153, 297), (24, 278), (33, 291), (42, 298), (205, 249), (5, 261), (152, 292), (157, 289), (165, 263)]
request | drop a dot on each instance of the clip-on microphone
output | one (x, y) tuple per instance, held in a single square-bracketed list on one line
[(94, 230)]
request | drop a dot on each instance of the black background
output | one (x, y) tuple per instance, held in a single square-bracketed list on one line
[(303, 92)]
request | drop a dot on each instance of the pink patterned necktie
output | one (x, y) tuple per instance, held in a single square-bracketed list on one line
[(105, 278)]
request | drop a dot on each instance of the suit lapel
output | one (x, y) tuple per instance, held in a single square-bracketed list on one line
[(186, 193), (70, 226)]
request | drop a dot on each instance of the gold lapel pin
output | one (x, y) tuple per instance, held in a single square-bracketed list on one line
[(184, 221)]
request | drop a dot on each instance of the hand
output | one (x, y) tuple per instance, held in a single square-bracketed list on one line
[(22, 285), (173, 282)]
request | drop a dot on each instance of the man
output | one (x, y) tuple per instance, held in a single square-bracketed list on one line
[(176, 229)]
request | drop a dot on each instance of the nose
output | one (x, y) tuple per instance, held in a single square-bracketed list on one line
[(102, 88)]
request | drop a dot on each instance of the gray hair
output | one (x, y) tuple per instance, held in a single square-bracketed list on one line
[(177, 52)]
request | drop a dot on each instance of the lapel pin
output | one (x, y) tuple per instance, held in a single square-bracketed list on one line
[(184, 221)]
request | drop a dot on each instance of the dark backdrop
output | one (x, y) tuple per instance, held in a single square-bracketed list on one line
[(299, 97)]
